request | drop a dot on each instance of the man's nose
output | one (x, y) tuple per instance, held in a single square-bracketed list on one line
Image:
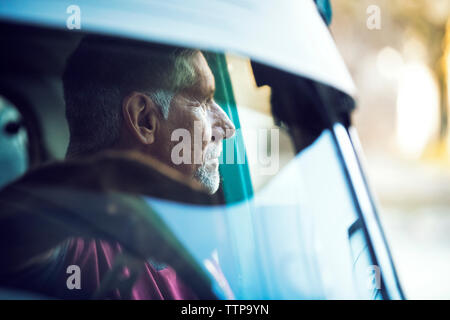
[(223, 127)]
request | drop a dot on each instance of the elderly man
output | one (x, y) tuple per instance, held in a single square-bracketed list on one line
[(133, 104), (135, 99)]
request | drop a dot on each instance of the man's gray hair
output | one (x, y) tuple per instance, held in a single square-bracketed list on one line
[(182, 76), (102, 72)]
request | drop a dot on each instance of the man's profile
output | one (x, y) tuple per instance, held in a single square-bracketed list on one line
[(120, 98), (134, 99)]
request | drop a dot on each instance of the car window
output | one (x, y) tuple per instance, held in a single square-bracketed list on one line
[(298, 235), (267, 212)]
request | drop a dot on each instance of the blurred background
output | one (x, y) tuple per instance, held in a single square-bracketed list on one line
[(401, 67)]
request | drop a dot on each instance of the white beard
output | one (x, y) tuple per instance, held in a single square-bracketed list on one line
[(209, 178)]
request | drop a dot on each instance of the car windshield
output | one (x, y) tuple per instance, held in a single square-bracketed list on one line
[(194, 173)]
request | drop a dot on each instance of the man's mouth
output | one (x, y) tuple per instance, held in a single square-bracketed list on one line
[(213, 161)]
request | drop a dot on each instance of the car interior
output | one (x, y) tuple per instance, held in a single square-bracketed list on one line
[(69, 199)]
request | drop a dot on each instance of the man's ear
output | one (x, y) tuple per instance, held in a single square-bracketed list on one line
[(141, 117)]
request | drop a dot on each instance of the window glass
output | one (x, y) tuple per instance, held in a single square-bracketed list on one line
[(207, 168), (268, 146)]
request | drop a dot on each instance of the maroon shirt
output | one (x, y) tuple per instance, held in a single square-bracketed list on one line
[(96, 258)]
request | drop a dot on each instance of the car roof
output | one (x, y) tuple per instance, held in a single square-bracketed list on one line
[(287, 34)]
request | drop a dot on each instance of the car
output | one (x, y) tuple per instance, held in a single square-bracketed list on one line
[(294, 217)]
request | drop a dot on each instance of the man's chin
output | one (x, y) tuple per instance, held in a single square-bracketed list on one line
[(209, 178)]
